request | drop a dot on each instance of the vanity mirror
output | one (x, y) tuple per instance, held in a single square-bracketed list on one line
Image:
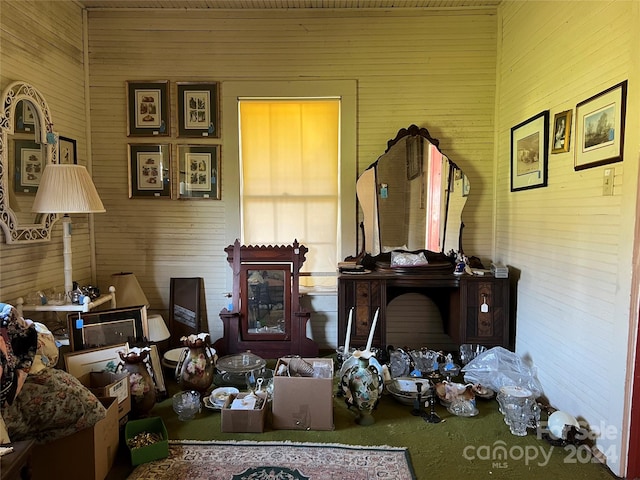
[(412, 197), (27, 144)]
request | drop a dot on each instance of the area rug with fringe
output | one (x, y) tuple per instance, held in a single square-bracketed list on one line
[(197, 460)]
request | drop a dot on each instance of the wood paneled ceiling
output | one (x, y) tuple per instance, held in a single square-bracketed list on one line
[(289, 4)]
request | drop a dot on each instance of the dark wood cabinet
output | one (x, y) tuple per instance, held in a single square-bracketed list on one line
[(474, 309), (365, 296), (482, 315)]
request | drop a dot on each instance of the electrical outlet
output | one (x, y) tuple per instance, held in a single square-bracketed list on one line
[(607, 182)]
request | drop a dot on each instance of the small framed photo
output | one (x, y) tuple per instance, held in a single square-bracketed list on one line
[(600, 122), (108, 327), (149, 170), (198, 110), (29, 164), (199, 167), (25, 117), (529, 152), (148, 108), (561, 132), (67, 150)]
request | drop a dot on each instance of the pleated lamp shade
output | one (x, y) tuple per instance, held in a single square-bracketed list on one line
[(128, 291), (67, 189)]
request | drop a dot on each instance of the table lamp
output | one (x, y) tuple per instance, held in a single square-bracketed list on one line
[(67, 189), (129, 293)]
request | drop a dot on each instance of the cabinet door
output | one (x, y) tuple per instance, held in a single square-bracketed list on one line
[(365, 297), (484, 308)]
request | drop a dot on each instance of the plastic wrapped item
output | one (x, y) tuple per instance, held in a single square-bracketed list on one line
[(408, 259), (498, 367)]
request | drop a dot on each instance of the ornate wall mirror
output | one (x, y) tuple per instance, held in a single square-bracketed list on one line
[(27, 144), (412, 197)]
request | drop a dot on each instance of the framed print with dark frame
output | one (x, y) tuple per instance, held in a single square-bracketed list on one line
[(530, 152), (29, 164), (149, 170), (198, 109), (108, 327), (199, 167), (600, 122), (67, 152), (25, 117), (148, 108), (561, 132)]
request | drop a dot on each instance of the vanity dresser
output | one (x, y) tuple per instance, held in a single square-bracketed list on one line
[(412, 198)]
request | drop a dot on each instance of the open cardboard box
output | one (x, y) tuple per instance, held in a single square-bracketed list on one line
[(303, 403), (109, 384), (87, 454), (243, 421)]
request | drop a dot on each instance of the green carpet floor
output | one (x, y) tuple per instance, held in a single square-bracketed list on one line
[(455, 448)]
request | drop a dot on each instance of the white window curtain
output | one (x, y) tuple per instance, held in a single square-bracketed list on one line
[(289, 154)]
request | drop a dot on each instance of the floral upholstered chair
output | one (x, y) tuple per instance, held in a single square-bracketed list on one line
[(37, 400)]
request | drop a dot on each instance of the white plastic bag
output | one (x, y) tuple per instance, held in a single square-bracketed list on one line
[(499, 367)]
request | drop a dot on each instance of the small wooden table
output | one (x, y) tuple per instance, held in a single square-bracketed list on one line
[(17, 464)]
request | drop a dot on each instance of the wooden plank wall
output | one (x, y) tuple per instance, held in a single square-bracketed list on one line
[(570, 246), (42, 43), (433, 69)]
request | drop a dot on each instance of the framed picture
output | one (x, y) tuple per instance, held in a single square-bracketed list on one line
[(67, 150), (25, 117), (156, 368), (414, 156), (600, 128), (198, 110), (199, 167), (561, 132), (29, 164), (82, 362), (529, 152), (149, 170), (107, 327), (148, 108)]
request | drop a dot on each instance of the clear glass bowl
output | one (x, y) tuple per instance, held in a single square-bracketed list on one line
[(186, 404)]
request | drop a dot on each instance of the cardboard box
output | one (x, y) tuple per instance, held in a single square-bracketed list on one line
[(303, 403), (109, 384), (243, 421), (84, 362), (89, 453), (151, 452)]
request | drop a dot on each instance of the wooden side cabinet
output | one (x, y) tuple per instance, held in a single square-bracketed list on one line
[(365, 296), (483, 312)]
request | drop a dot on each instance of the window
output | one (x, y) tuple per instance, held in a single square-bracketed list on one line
[(290, 178)]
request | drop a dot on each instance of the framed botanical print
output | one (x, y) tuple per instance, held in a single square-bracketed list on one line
[(67, 150), (198, 110), (29, 164), (148, 108), (600, 122), (199, 167), (529, 152), (149, 170)]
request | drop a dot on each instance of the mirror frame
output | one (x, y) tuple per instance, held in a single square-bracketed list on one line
[(372, 244), (40, 229)]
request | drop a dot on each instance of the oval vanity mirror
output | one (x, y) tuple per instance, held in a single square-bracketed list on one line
[(25, 149), (412, 197)]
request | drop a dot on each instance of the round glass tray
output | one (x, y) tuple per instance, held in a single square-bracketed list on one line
[(240, 363)]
